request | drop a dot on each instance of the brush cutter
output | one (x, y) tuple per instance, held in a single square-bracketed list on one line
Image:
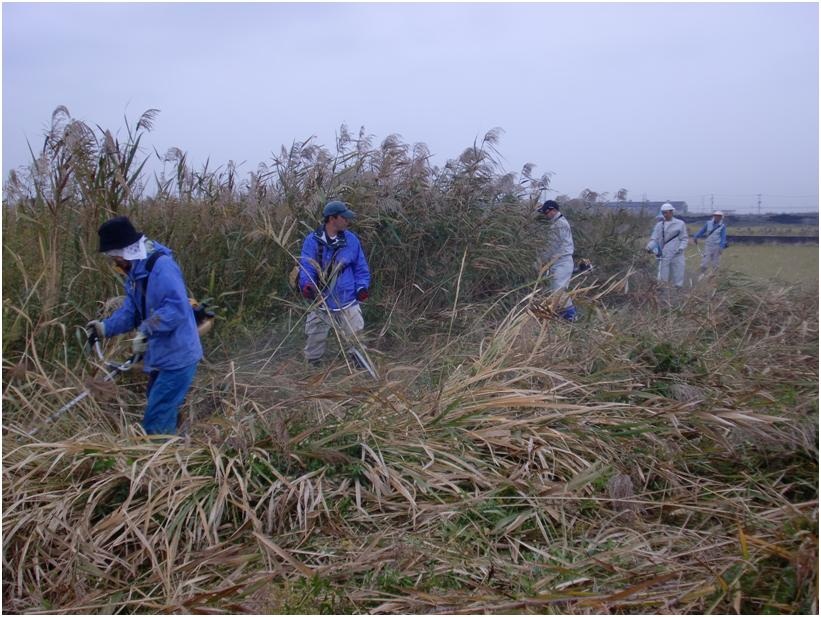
[(362, 362), (111, 369), (356, 350), (702, 273)]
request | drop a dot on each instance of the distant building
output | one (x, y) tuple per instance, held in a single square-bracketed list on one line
[(646, 207)]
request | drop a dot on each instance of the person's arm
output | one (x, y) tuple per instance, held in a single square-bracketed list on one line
[(173, 308), (123, 319), (656, 233), (308, 273), (361, 273), (701, 232), (684, 238), (566, 237)]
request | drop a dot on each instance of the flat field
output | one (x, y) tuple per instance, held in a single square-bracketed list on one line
[(773, 230), (778, 262), (758, 228)]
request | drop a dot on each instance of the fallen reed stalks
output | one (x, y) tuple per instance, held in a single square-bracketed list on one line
[(649, 461)]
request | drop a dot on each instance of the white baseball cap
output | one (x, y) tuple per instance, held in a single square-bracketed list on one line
[(668, 206)]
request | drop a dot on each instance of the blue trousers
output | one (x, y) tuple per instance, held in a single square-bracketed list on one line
[(166, 392)]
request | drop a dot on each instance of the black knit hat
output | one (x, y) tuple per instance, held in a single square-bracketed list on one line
[(549, 205), (117, 233)]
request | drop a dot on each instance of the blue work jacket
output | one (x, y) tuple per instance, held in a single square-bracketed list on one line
[(344, 269), (169, 324), (715, 234)]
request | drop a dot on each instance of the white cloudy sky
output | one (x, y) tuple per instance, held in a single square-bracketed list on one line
[(671, 101)]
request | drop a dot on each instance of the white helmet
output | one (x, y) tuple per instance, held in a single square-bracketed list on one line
[(667, 206), (718, 213)]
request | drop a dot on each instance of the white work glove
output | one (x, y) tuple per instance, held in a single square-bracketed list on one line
[(139, 344), (95, 330)]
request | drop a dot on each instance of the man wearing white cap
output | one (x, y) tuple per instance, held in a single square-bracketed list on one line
[(668, 241), (714, 233), (156, 306)]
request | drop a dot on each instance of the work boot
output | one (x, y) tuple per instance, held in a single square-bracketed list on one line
[(315, 362)]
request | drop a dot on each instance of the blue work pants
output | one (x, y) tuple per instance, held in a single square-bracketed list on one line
[(166, 392)]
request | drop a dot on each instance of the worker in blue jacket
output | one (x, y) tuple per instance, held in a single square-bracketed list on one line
[(156, 306), (333, 271), (714, 233)]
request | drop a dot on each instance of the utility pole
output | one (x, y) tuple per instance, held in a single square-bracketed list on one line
[(712, 203), (759, 204)]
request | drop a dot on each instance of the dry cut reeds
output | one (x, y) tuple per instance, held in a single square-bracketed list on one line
[(645, 461)]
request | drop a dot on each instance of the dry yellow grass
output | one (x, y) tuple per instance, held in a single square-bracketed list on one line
[(651, 458), (485, 480)]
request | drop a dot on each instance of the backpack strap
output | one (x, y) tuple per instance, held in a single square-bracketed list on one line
[(149, 266), (716, 228), (674, 236), (665, 242), (152, 259)]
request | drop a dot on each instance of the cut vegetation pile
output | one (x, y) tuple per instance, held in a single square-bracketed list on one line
[(648, 459)]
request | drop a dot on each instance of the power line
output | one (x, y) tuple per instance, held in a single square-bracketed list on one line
[(742, 195)]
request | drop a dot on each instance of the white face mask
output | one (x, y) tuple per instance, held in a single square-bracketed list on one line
[(132, 252)]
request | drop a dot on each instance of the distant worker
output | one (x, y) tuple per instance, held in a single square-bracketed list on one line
[(715, 234), (667, 242), (559, 255), (156, 306), (333, 265)]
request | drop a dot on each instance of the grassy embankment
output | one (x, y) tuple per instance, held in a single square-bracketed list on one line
[(650, 458)]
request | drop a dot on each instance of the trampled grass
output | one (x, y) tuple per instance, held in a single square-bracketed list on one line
[(659, 460)]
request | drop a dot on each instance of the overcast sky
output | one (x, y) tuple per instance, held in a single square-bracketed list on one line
[(670, 101)]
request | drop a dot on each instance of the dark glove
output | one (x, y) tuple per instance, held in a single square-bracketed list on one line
[(362, 294), (95, 330), (309, 291)]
